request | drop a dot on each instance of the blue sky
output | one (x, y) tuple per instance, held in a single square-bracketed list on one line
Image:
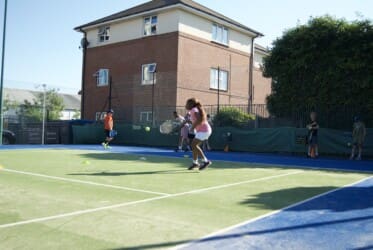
[(43, 48)]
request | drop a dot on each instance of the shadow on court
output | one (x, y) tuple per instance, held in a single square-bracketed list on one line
[(182, 160), (349, 198), (104, 173)]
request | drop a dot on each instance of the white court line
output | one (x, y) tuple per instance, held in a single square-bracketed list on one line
[(84, 182), (86, 211), (230, 228)]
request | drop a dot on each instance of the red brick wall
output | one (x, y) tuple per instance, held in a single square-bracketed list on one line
[(125, 60), (183, 71), (196, 58), (262, 87)]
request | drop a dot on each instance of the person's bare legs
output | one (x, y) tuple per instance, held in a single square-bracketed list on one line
[(353, 152), (198, 153), (359, 152)]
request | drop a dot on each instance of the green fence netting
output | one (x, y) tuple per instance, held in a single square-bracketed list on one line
[(280, 140)]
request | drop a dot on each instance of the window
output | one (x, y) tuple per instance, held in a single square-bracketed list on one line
[(100, 116), (220, 82), (102, 77), (148, 72), (103, 34), (150, 25), (146, 116), (219, 34)]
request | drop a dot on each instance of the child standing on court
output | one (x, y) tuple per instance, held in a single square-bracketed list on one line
[(108, 128), (183, 138), (358, 136), (313, 128), (202, 131)]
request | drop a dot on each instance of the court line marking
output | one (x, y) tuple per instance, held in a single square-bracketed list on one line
[(230, 228), (83, 182), (125, 204)]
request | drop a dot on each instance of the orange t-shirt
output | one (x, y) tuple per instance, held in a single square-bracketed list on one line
[(108, 122)]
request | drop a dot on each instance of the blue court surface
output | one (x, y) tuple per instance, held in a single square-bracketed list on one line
[(339, 219), (326, 163)]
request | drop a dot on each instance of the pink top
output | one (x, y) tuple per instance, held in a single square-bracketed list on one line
[(204, 126)]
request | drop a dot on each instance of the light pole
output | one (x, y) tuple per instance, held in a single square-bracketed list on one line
[(43, 128), (218, 89), (2, 74), (153, 70)]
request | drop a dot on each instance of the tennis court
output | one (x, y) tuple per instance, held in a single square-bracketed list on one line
[(84, 197)]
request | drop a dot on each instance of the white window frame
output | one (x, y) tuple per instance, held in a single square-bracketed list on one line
[(148, 114), (103, 34), (100, 116), (102, 77), (220, 34), (148, 80), (150, 28), (223, 85)]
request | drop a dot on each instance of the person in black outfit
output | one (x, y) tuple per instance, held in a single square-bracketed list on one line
[(313, 128)]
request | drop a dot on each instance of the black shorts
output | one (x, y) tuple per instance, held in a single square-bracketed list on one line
[(107, 133), (313, 140)]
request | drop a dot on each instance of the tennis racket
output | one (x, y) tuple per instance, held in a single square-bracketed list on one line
[(166, 127)]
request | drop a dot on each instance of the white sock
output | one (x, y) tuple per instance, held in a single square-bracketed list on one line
[(205, 159), (195, 161)]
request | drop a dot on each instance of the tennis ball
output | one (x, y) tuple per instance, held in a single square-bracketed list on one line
[(86, 162), (143, 158), (147, 129), (1, 167)]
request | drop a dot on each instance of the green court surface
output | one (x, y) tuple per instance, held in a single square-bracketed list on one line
[(75, 199)]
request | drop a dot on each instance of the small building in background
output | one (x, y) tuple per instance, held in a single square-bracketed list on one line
[(71, 103)]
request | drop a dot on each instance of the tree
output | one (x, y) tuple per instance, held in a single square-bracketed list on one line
[(76, 115), (53, 105), (9, 104), (324, 63)]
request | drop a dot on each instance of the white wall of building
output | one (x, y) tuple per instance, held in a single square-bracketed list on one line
[(202, 28), (170, 20), (132, 29)]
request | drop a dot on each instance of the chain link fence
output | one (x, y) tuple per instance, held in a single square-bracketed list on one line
[(28, 131)]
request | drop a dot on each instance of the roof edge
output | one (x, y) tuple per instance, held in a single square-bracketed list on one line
[(102, 21)]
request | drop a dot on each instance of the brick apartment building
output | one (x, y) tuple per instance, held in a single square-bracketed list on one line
[(162, 52)]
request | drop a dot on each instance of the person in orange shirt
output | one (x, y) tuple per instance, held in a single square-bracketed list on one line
[(108, 127)]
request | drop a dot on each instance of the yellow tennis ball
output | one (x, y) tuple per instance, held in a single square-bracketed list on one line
[(147, 129), (1, 167), (86, 162)]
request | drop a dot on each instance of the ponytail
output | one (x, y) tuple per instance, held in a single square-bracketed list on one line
[(201, 111)]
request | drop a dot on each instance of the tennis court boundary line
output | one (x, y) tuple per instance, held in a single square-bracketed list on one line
[(230, 228), (84, 182), (125, 204)]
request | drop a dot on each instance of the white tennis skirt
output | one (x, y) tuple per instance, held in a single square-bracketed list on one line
[(203, 136)]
